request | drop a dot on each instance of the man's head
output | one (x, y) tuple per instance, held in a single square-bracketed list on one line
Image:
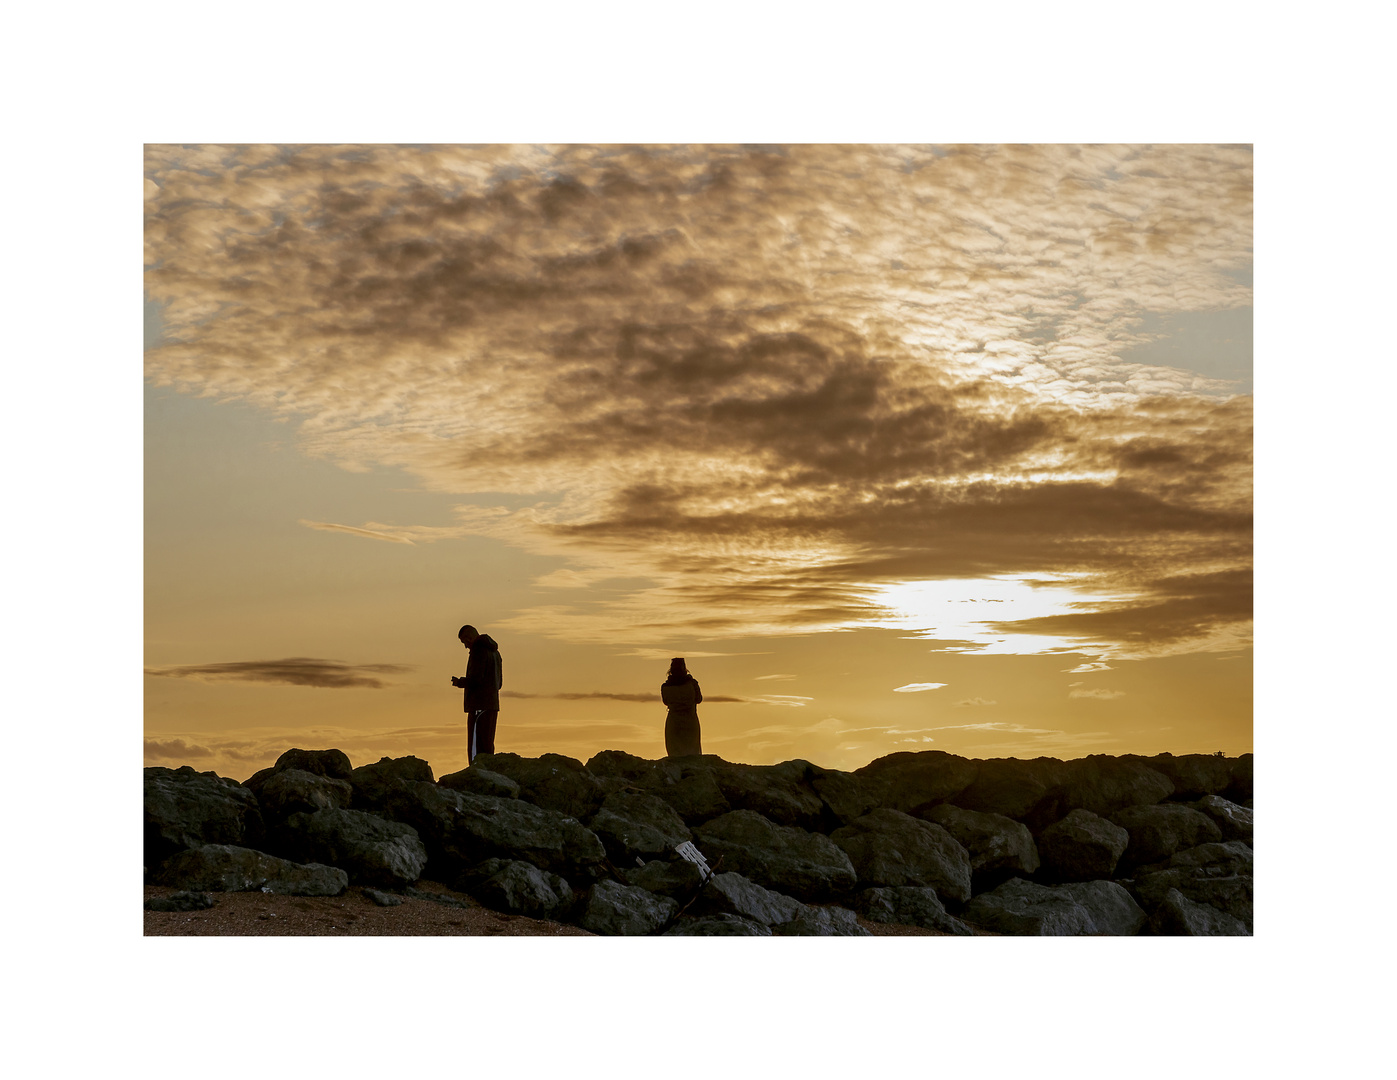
[(468, 635)]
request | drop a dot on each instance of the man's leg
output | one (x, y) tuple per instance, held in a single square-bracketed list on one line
[(485, 730), (471, 728)]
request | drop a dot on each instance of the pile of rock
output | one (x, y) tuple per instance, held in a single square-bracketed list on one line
[(1098, 845)]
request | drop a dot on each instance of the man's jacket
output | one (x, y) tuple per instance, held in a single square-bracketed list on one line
[(484, 675)]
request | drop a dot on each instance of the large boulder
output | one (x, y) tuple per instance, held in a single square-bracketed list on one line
[(372, 782), (788, 860), (845, 795), (1157, 831), (633, 825), (1229, 893), (1229, 857), (908, 905), (780, 793), (185, 809), (1193, 775), (735, 895), (615, 909), (553, 782), (1081, 847), (228, 868), (371, 849), (1023, 789), (1235, 822), (909, 780), (1178, 916), (690, 786), (888, 847), (1024, 908), (461, 830), (332, 763), (477, 781), (679, 879), (1105, 785), (821, 922), (999, 847), (295, 791), (521, 888)]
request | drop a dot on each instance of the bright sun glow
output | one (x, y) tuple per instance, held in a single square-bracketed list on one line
[(964, 611)]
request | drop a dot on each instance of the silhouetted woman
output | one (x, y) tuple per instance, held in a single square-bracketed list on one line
[(682, 694)]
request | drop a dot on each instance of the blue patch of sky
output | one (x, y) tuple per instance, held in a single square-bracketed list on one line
[(1214, 344)]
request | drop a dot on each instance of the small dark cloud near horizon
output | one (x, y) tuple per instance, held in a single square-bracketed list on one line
[(293, 671)]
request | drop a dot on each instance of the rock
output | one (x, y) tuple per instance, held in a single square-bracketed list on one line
[(384, 899), (1112, 909), (718, 926), (1235, 822), (185, 809), (521, 888), (691, 790), (632, 824), (999, 847), (1229, 893), (551, 782), (227, 868), (909, 780), (1024, 790), (1178, 916), (888, 847), (735, 895), (371, 849), (1105, 785), (371, 782), (293, 791), (679, 879), (1225, 859), (908, 905), (1081, 847), (478, 781), (821, 922), (1240, 789), (331, 763), (1157, 831), (615, 909), (1193, 775), (180, 901), (624, 766), (1087, 908), (461, 830), (787, 860), (778, 792), (845, 796)]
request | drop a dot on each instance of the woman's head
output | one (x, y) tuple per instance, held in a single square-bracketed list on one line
[(677, 668)]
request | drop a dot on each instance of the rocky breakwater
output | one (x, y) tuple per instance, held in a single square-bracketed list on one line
[(1093, 846)]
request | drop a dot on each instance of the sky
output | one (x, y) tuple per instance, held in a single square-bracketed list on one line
[(902, 447)]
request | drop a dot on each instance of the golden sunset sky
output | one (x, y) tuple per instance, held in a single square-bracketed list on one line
[(903, 447)]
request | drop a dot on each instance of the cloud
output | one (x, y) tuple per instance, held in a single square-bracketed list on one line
[(1104, 695), (764, 678), (917, 687), (974, 702), (371, 534), (294, 671), (176, 749), (765, 381), (1087, 667), (649, 699)]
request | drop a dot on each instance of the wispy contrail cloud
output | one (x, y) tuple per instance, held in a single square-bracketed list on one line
[(293, 671), (370, 534)]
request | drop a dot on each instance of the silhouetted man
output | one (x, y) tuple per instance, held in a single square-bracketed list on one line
[(484, 677)]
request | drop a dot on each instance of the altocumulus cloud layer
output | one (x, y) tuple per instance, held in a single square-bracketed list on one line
[(772, 381)]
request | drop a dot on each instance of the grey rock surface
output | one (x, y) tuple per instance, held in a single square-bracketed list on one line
[(717, 926), (1024, 908), (185, 809), (807, 866), (733, 894), (228, 868), (908, 905), (293, 791), (888, 847), (909, 780), (521, 888), (370, 849), (994, 842), (634, 825), (1158, 831), (1234, 821), (1178, 916), (1081, 847), (821, 922), (551, 782), (614, 909), (476, 780)]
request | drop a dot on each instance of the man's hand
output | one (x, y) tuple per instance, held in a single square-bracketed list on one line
[(458, 682)]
